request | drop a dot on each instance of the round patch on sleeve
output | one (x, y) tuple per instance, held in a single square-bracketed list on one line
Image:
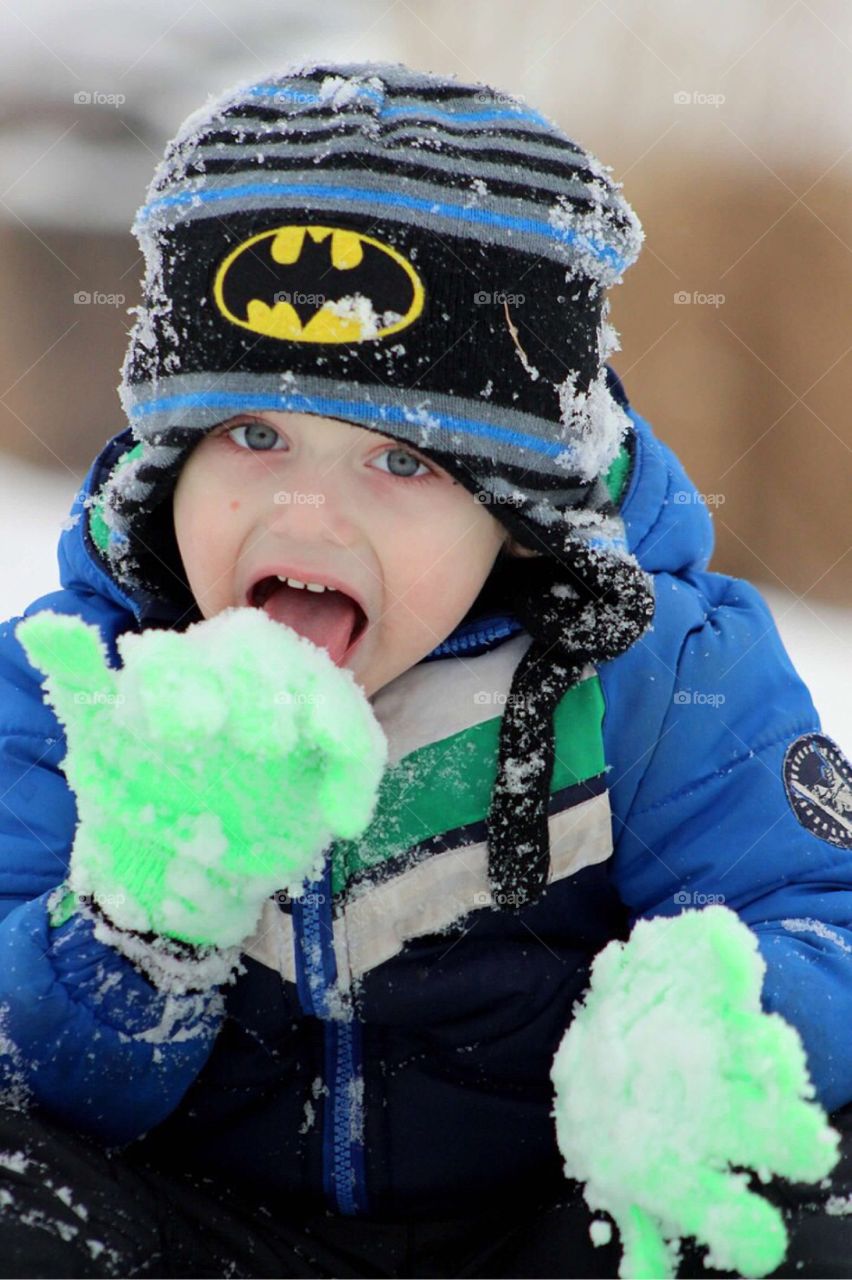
[(818, 781)]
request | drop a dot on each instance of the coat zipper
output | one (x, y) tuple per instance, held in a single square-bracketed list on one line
[(344, 1176), (482, 633), (344, 1182)]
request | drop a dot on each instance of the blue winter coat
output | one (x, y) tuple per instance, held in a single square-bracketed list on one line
[(436, 1098)]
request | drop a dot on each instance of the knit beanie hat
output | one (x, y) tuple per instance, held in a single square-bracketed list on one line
[(428, 259)]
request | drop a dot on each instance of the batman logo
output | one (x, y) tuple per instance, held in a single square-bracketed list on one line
[(305, 283)]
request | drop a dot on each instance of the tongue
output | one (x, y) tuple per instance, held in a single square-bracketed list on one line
[(325, 617)]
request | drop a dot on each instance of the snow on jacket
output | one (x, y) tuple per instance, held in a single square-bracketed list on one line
[(674, 785)]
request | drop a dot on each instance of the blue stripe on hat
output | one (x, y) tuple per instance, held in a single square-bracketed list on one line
[(302, 95), (487, 113), (305, 404), (603, 252)]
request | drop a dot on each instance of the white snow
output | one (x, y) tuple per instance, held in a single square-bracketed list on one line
[(14, 1161), (15, 1093), (310, 1116), (594, 424), (808, 925), (838, 1205), (337, 91), (358, 308), (356, 1109), (600, 1231), (519, 772)]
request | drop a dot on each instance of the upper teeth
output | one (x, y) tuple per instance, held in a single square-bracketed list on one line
[(312, 586)]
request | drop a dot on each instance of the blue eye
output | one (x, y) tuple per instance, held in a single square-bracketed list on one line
[(407, 463), (262, 439)]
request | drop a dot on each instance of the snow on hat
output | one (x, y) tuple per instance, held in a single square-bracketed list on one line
[(427, 259)]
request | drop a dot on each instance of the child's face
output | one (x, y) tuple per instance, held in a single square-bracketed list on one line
[(315, 499)]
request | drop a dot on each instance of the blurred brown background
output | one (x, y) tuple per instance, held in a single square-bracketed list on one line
[(728, 128)]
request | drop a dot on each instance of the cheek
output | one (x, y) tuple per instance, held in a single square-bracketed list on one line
[(437, 576), (186, 517), (198, 530)]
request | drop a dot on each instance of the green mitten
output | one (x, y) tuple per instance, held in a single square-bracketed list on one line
[(671, 1073), (211, 769)]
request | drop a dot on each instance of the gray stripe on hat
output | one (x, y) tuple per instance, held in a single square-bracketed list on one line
[(519, 116), (365, 403), (493, 140), (569, 496), (424, 159), (526, 147)]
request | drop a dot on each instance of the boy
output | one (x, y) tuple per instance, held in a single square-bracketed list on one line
[(348, 265)]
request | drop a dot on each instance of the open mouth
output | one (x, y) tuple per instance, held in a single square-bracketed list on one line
[(333, 620)]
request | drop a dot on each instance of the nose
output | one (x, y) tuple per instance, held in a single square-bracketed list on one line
[(312, 504)]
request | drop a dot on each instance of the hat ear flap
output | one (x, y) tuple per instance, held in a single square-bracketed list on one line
[(589, 609)]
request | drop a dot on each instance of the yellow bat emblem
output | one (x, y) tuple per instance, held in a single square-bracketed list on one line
[(305, 283)]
